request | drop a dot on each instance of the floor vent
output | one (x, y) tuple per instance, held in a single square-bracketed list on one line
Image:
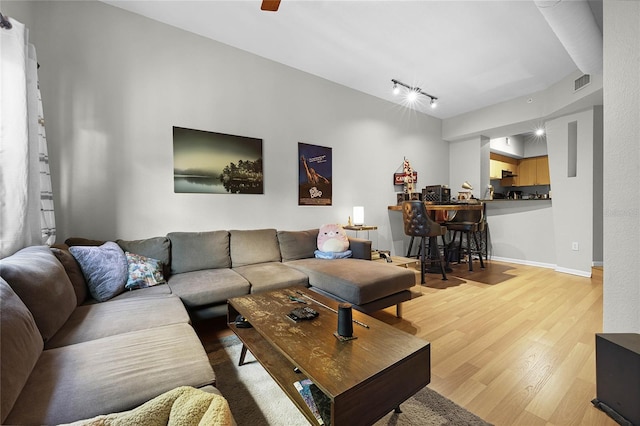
[(580, 82)]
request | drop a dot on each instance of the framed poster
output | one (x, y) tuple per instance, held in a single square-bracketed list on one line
[(314, 175), (216, 163)]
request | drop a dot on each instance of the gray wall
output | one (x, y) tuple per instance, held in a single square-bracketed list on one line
[(572, 196), (465, 164), (543, 235), (522, 232), (114, 84), (621, 160)]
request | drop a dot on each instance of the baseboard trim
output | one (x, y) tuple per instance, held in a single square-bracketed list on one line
[(524, 262), (586, 274)]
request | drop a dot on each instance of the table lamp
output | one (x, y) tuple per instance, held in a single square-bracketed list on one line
[(358, 215)]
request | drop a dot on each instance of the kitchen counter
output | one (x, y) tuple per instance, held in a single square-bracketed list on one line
[(498, 200)]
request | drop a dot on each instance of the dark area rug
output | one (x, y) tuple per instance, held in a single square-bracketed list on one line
[(255, 398)]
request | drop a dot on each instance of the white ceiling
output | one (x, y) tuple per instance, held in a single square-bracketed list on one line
[(468, 54)]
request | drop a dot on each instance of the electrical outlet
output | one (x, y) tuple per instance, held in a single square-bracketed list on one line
[(574, 246)]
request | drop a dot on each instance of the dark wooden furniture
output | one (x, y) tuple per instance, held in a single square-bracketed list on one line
[(443, 207), (618, 376), (365, 378), (418, 223), (468, 223)]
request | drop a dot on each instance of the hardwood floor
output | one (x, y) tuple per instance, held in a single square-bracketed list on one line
[(513, 344)]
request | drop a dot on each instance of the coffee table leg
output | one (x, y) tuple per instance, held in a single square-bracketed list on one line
[(243, 353), (397, 410)]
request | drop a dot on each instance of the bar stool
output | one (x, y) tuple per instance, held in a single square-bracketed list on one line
[(417, 223), (468, 223)]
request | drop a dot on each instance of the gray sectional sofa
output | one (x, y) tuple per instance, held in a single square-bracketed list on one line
[(67, 357), (64, 358)]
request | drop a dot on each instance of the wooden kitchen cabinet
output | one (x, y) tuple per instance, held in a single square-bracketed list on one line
[(527, 172), (533, 171), (542, 170), (498, 163)]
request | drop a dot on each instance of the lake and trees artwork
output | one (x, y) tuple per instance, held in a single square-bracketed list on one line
[(216, 163)]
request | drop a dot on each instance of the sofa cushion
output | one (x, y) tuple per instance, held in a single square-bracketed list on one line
[(40, 280), (143, 272), (91, 322), (155, 248), (207, 287), (74, 273), (79, 241), (354, 280), (195, 251), (297, 244), (20, 347), (104, 268), (270, 276), (254, 246), (155, 291), (111, 374)]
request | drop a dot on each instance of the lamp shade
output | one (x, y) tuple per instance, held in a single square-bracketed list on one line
[(467, 185), (358, 215)]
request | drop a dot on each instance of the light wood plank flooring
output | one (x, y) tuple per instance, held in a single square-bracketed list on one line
[(513, 344)]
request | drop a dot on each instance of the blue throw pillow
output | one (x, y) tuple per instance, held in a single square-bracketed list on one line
[(332, 254), (104, 268), (143, 271)]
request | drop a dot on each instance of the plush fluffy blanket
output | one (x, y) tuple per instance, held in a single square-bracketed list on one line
[(182, 406)]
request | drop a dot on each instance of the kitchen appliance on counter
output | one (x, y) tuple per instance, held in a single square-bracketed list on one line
[(514, 195), (488, 193)]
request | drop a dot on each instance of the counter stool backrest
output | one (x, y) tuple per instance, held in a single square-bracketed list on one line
[(417, 222), (472, 216)]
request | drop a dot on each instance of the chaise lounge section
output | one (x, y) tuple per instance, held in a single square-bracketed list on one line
[(209, 268)]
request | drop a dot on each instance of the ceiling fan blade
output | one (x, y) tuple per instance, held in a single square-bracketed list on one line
[(270, 5)]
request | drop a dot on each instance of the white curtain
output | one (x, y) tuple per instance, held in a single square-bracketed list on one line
[(26, 199)]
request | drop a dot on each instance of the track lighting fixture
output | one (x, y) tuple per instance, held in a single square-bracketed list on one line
[(413, 92)]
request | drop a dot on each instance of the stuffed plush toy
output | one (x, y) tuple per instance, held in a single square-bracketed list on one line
[(332, 242)]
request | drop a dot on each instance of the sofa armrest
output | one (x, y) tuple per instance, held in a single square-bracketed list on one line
[(360, 248)]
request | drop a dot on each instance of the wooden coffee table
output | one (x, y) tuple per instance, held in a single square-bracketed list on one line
[(365, 378)]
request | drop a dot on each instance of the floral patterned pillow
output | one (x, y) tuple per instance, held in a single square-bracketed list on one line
[(143, 272)]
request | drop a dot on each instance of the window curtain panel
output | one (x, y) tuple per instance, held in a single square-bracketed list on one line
[(26, 199)]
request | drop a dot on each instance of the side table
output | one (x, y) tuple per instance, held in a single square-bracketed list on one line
[(360, 228), (401, 261)]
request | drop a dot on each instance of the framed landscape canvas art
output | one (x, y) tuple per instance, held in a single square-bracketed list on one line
[(315, 187), (216, 163)]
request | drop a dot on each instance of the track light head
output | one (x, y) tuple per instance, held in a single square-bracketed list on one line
[(412, 92)]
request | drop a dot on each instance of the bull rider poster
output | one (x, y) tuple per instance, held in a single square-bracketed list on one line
[(314, 175)]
